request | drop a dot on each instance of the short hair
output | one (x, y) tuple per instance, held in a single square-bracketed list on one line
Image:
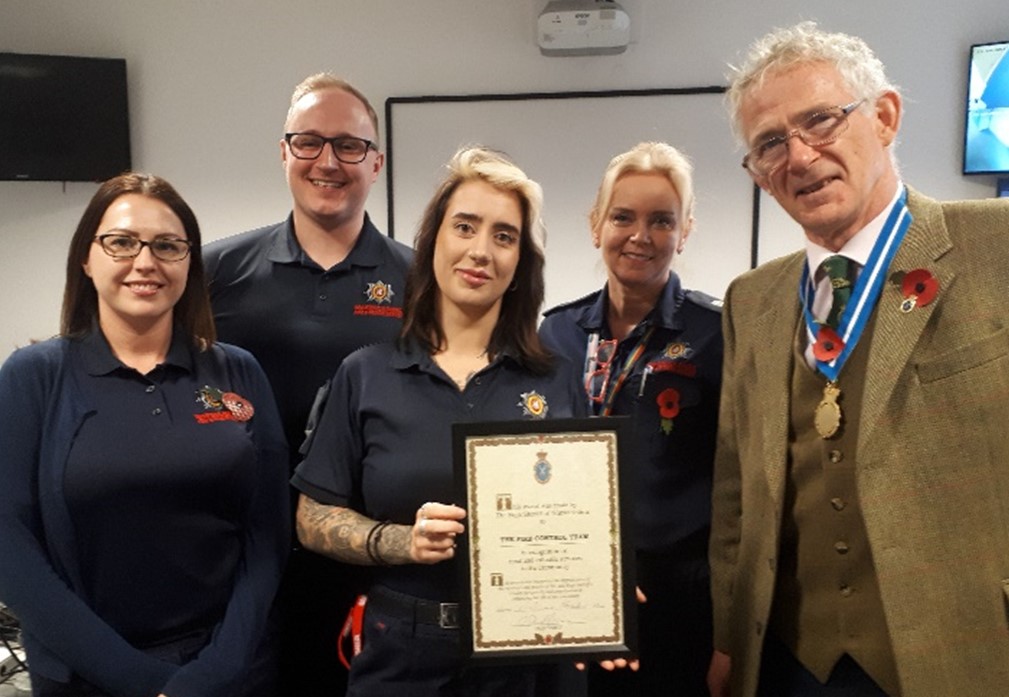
[(80, 299), (647, 158), (328, 81), (520, 306), (863, 73)]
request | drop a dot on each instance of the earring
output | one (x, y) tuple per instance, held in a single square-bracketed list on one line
[(513, 287)]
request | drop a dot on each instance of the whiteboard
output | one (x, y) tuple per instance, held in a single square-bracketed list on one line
[(564, 141)]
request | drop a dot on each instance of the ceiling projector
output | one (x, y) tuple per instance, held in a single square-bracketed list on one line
[(583, 28)]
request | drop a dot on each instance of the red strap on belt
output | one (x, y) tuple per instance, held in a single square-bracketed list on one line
[(352, 627)]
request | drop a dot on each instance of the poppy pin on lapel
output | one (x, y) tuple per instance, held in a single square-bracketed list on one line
[(919, 288)]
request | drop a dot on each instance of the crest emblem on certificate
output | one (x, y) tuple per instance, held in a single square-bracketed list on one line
[(542, 469)]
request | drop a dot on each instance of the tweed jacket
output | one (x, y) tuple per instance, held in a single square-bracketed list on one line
[(932, 458)]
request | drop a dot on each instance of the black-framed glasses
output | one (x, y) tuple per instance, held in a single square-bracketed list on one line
[(120, 246), (348, 149), (822, 128), (597, 375)]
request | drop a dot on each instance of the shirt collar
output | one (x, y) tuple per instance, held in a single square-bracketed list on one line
[(664, 314), (859, 247), (409, 355), (100, 360), (286, 249)]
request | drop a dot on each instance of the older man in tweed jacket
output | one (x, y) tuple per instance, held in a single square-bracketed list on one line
[(860, 541)]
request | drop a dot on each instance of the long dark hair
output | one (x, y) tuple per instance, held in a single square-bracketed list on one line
[(80, 299), (520, 306)]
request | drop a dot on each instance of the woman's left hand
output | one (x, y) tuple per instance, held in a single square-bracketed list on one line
[(432, 538)]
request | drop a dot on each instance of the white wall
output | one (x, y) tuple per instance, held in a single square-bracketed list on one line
[(210, 79)]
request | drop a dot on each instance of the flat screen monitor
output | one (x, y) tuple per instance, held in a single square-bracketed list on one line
[(986, 142), (63, 118)]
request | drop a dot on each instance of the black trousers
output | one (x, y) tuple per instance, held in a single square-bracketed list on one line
[(674, 628), (404, 656)]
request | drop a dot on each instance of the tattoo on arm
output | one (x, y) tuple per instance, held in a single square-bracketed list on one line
[(395, 544), (341, 533)]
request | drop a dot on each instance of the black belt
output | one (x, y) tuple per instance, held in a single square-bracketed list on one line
[(417, 610)]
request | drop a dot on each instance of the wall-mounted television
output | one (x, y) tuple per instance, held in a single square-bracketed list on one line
[(63, 118), (986, 139)]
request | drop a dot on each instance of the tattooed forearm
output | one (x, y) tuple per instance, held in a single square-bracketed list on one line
[(394, 547), (334, 531), (342, 533)]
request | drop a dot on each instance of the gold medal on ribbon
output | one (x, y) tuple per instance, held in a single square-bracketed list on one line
[(827, 417)]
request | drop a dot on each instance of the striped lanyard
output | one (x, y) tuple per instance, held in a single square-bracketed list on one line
[(635, 355)]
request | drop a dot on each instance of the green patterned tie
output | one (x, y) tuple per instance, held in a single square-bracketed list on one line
[(837, 268)]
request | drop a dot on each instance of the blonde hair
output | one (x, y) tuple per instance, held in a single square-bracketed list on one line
[(520, 306), (646, 158)]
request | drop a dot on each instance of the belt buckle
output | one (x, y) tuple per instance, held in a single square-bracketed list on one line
[(448, 615)]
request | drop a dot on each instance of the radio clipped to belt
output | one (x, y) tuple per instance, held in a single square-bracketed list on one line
[(353, 627)]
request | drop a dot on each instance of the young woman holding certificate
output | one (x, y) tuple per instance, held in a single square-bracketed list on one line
[(376, 482)]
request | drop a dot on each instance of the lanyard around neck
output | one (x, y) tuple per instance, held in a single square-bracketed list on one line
[(632, 358), (864, 295)]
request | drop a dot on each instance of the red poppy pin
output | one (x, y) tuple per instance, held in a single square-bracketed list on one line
[(919, 288), (239, 406), (828, 344), (669, 406)]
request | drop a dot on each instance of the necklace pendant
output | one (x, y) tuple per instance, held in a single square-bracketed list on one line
[(827, 417)]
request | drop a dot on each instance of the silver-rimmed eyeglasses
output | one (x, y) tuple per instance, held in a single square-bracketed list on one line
[(348, 149), (822, 128), (121, 246)]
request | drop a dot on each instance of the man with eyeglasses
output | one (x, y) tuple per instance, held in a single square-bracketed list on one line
[(301, 295), (860, 533)]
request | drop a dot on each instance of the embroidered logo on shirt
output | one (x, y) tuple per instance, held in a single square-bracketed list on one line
[(533, 404), (677, 350), (222, 406), (677, 367), (379, 292), (379, 295)]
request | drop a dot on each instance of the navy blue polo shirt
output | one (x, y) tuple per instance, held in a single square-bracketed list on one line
[(299, 320), (383, 445), (161, 488), (672, 392)]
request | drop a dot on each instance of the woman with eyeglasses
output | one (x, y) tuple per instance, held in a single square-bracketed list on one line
[(143, 504), (653, 351), (377, 481)]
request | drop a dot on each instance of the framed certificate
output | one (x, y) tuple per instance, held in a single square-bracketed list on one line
[(549, 563)]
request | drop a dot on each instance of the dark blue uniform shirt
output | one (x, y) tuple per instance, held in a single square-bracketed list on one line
[(298, 319), (383, 445), (671, 392), (136, 511)]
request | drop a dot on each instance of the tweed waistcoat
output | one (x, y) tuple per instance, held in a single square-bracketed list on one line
[(827, 600)]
